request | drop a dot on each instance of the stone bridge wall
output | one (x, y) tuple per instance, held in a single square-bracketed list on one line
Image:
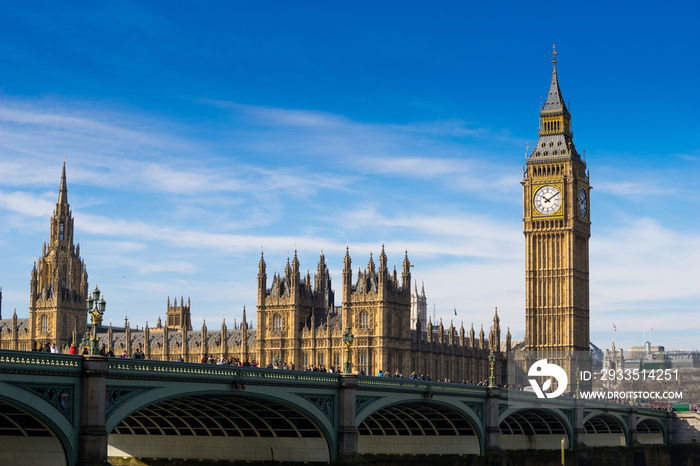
[(685, 428)]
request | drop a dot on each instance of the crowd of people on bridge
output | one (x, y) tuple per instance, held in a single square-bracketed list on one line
[(45, 348)]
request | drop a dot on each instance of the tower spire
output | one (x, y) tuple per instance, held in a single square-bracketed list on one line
[(555, 101), (63, 190)]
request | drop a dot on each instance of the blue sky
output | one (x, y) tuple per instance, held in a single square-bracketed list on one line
[(195, 135)]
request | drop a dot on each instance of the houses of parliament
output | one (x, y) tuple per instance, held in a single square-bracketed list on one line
[(298, 321)]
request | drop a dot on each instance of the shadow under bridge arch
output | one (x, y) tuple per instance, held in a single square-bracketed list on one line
[(220, 427), (604, 430), (419, 427), (534, 429)]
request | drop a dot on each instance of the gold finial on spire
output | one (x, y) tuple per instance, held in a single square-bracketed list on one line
[(554, 54)]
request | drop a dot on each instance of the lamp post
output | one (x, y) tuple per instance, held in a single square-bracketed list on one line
[(492, 376), (96, 308), (347, 339)]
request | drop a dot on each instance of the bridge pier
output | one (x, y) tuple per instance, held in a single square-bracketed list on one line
[(347, 430), (92, 436), (493, 430), (633, 438)]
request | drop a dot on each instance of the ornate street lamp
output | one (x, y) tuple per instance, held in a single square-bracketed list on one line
[(96, 308), (492, 376), (347, 339)]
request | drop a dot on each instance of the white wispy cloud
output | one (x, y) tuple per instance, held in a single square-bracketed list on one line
[(28, 204), (642, 264)]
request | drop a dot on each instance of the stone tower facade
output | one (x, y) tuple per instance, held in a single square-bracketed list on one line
[(378, 310), (556, 224), (287, 307), (419, 307), (59, 282), (178, 316)]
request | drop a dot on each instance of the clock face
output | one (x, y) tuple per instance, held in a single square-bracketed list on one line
[(547, 200), (582, 202)]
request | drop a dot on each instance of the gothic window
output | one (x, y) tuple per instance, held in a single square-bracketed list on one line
[(336, 359), (363, 363), (44, 324), (364, 319), (321, 360), (306, 360), (60, 231), (64, 327), (277, 323)]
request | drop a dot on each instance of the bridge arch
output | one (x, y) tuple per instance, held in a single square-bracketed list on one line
[(605, 430), (651, 431), (415, 425), (30, 424), (220, 422), (533, 429)]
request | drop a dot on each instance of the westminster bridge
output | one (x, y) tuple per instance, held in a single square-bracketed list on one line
[(67, 409)]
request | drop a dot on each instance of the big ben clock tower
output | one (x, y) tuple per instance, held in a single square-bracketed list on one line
[(556, 224)]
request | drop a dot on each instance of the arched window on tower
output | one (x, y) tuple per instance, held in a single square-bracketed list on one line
[(44, 327), (364, 319), (60, 231), (277, 323)]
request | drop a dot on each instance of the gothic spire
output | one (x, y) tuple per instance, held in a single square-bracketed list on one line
[(63, 190), (555, 140), (261, 264), (555, 102)]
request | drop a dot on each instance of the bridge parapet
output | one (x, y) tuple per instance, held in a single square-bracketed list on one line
[(130, 368), (443, 388), (36, 361)]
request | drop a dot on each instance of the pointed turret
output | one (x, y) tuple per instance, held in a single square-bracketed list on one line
[(406, 274), (295, 262), (555, 102), (262, 281), (555, 136), (382, 260), (63, 190), (347, 287)]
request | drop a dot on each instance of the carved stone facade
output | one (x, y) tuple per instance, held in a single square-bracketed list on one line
[(419, 307), (299, 324), (59, 283), (556, 223)]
